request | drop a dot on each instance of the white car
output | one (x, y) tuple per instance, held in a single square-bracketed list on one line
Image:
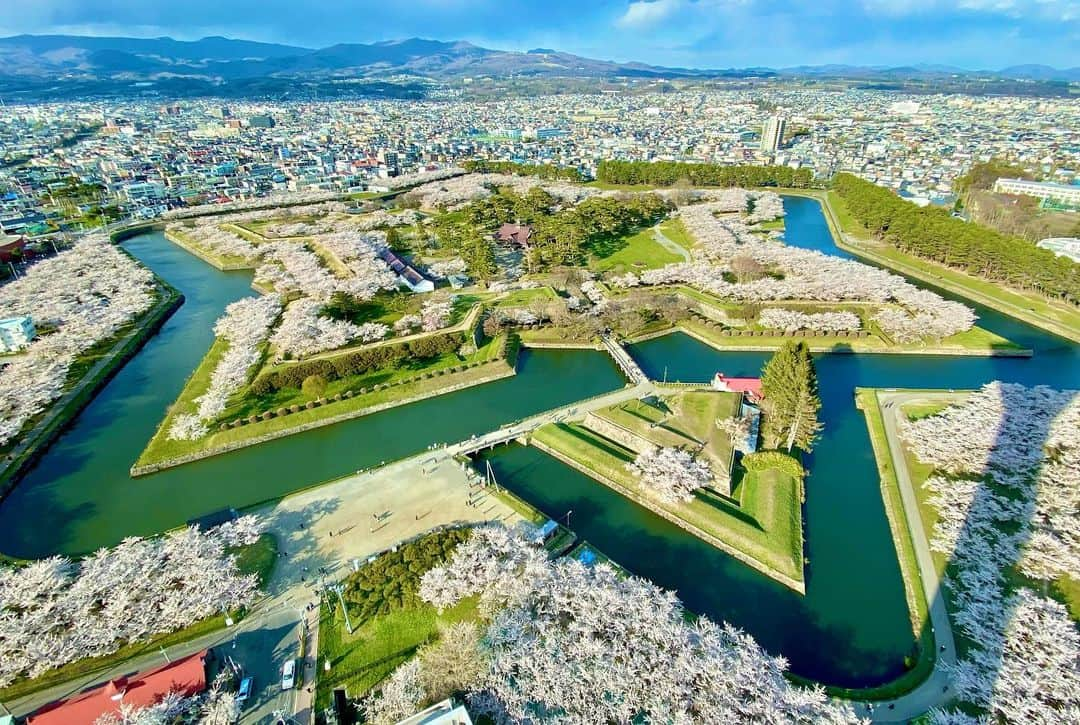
[(288, 675)]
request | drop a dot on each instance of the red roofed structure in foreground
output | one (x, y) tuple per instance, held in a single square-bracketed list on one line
[(186, 676), (750, 386)]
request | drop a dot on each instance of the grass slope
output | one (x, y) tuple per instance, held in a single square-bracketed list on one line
[(765, 524)]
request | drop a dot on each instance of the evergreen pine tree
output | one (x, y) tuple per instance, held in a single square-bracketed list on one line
[(789, 385)]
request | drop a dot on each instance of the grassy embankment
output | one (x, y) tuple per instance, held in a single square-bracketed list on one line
[(396, 386), (761, 522), (258, 558), (224, 262), (1054, 316), (922, 660)]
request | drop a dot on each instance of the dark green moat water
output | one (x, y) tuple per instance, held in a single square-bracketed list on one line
[(851, 628)]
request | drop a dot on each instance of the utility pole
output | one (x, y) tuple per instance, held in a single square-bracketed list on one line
[(345, 610)]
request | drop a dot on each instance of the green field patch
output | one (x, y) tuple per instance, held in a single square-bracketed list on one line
[(633, 252), (764, 521)]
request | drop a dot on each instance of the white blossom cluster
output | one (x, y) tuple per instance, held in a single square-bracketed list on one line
[(671, 474), (1007, 496), (359, 253), (592, 291), (457, 192), (245, 326), (445, 268), (55, 611), (776, 318), (86, 293), (517, 316), (382, 219), (573, 644), (266, 203), (213, 238), (505, 286), (217, 706), (1026, 439), (304, 332), (805, 275), (435, 315), (422, 177), (292, 268)]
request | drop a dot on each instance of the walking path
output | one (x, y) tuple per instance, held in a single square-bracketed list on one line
[(670, 244), (623, 359), (934, 691)]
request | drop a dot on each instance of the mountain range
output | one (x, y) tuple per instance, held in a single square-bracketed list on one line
[(222, 59)]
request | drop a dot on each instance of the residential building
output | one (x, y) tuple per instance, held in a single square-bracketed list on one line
[(441, 713), (186, 676), (16, 333), (1041, 189)]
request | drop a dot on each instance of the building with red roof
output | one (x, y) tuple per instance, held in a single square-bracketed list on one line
[(186, 676), (751, 387), (518, 234)]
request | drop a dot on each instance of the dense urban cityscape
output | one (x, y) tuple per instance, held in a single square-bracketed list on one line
[(420, 383)]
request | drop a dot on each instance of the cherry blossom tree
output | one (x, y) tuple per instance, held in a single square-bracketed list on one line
[(303, 331), (82, 296), (776, 318), (673, 475), (55, 611), (245, 327), (1007, 463), (907, 313), (573, 644)]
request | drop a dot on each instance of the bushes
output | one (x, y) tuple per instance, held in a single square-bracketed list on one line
[(355, 363), (314, 386), (391, 581), (764, 460)]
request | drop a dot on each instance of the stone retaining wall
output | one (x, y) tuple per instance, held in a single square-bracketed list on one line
[(348, 415), (623, 436), (794, 584)]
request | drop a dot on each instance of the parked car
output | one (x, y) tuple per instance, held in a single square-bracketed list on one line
[(288, 675), (245, 689)]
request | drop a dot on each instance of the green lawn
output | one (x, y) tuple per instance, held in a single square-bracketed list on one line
[(765, 525), (161, 448), (681, 420), (378, 646), (221, 261), (769, 226), (524, 297), (631, 253), (674, 229)]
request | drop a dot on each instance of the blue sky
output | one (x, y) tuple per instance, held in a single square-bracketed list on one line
[(699, 33)]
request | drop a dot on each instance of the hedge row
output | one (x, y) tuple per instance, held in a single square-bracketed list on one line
[(764, 460), (318, 402), (358, 362)]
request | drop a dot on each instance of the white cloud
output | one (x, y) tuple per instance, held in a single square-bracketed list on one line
[(647, 13)]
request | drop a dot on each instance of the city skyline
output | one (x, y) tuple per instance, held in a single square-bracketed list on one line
[(974, 34)]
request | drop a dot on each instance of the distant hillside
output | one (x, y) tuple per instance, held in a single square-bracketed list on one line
[(91, 65)]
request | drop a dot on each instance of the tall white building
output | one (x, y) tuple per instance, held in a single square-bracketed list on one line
[(773, 134)]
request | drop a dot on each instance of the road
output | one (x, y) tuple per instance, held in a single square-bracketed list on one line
[(322, 533), (933, 692)]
